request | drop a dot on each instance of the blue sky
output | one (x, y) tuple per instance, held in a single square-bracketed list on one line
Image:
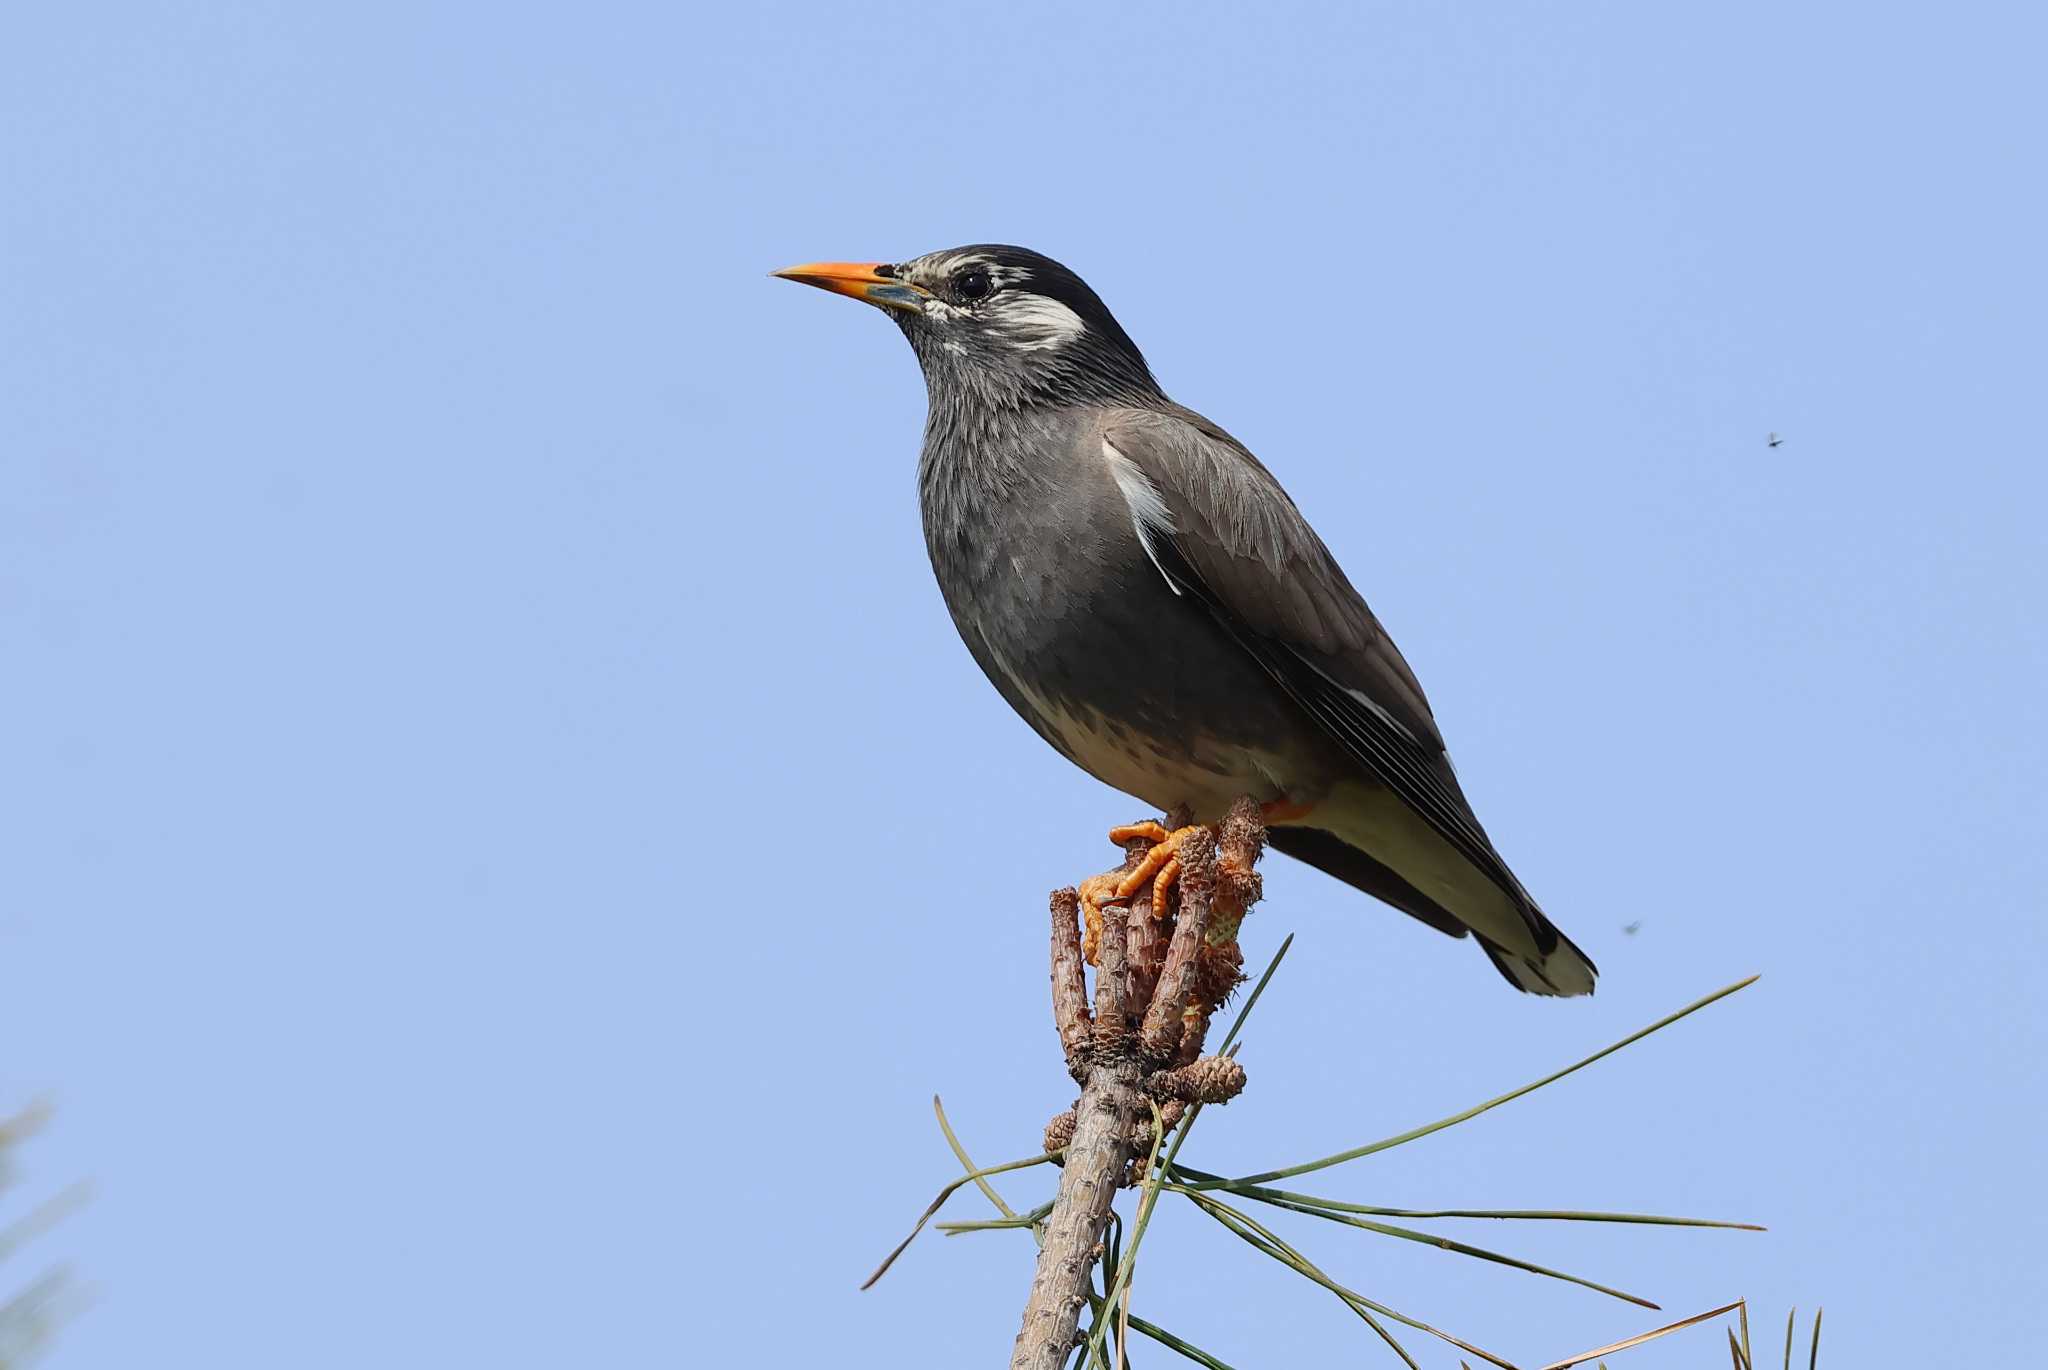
[(452, 601)]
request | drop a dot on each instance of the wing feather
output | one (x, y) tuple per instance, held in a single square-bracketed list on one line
[(1220, 529)]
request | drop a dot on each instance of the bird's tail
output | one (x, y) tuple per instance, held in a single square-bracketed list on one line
[(1564, 970), (1552, 963)]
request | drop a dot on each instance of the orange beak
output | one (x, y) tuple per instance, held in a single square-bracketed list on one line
[(860, 281)]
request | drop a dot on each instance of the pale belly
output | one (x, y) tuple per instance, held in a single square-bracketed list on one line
[(1197, 769)]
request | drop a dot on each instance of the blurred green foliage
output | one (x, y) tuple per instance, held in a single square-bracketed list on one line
[(31, 1310)]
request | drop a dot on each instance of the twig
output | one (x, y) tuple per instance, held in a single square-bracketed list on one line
[(1069, 989), (1162, 1031), (1154, 993), (1094, 1166)]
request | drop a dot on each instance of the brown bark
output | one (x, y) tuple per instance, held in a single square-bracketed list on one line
[(1069, 988), (1163, 1018), (1160, 976), (1104, 1129)]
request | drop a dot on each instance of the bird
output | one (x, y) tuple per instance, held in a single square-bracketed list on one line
[(1142, 591), (1774, 441)]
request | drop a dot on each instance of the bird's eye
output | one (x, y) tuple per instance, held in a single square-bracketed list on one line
[(973, 285)]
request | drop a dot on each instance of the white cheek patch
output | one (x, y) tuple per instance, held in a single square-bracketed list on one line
[(1036, 323)]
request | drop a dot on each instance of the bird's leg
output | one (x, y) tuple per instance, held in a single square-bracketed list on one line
[(1094, 892), (1162, 883), (1159, 864), (1098, 890)]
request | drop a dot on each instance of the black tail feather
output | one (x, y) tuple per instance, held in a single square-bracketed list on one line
[(1333, 856), (1561, 969)]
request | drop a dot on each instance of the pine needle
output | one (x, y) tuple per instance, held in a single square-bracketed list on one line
[(1467, 1114)]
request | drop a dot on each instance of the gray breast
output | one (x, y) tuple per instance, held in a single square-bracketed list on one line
[(1050, 588)]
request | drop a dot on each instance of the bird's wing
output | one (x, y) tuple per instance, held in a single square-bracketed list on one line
[(1220, 529)]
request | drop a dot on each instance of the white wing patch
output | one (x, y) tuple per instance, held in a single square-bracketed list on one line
[(1149, 514), (1380, 711)]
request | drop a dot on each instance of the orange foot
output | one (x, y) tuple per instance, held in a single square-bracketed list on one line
[(1160, 865)]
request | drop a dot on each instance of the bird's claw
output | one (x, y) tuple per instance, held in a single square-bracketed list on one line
[(1160, 866)]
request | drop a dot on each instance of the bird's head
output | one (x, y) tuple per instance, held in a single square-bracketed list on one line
[(1001, 324)]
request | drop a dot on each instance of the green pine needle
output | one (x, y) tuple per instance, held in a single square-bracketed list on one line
[(1473, 1112)]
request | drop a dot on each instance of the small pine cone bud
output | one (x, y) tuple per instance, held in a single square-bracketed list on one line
[(1247, 887), (1194, 1031), (1060, 1131), (1170, 1113), (1219, 970), (1211, 1080)]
